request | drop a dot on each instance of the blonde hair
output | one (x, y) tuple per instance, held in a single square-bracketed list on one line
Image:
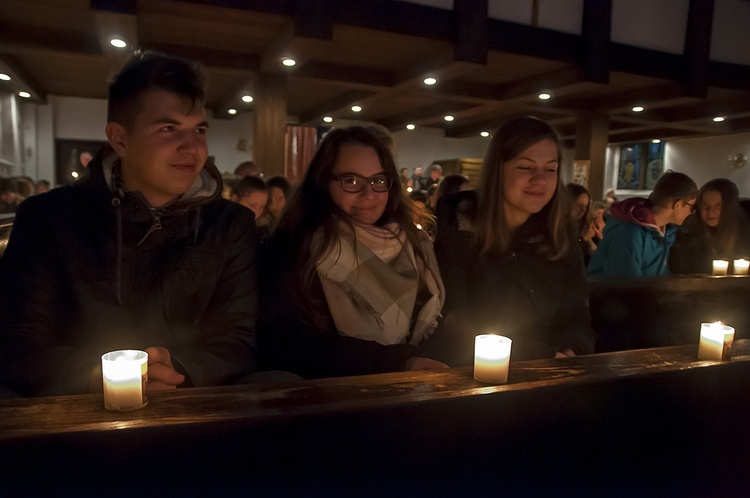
[(509, 141)]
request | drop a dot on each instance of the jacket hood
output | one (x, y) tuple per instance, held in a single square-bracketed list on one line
[(207, 186), (636, 211)]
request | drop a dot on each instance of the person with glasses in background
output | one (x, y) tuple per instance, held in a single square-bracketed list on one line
[(640, 232), (718, 230), (350, 285)]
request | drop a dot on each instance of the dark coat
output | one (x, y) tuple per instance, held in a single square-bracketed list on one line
[(71, 291), (290, 339), (541, 305), (692, 251)]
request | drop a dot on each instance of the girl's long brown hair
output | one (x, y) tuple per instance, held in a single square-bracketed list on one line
[(509, 141), (732, 220), (311, 208)]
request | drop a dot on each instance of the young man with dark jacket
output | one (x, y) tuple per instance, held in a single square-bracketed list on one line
[(142, 253)]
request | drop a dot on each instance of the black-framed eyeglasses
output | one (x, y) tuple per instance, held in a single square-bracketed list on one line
[(354, 183), (693, 208)]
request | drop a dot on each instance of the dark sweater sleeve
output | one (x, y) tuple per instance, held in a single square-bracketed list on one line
[(226, 348), (571, 325), (35, 357), (290, 342)]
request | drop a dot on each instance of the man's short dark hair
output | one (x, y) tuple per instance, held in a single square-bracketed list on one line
[(153, 71), (247, 185), (673, 186)]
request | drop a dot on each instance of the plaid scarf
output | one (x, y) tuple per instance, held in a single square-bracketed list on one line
[(371, 278)]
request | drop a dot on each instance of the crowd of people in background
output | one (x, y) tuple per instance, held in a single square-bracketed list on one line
[(361, 268)]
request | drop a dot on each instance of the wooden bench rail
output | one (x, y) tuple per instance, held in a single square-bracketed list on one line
[(653, 421)]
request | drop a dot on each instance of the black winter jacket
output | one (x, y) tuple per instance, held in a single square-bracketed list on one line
[(88, 270), (541, 305)]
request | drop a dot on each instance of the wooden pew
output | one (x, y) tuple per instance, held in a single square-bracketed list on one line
[(644, 312), (6, 225), (653, 421)]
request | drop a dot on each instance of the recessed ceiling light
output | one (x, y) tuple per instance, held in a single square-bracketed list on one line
[(485, 134), (118, 43), (410, 126), (288, 61), (544, 96), (328, 119), (449, 118), (232, 111), (25, 95), (4, 77), (430, 81), (656, 141), (247, 98), (356, 108), (638, 108), (719, 119)]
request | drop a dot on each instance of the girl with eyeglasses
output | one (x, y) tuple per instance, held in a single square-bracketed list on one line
[(349, 285), (719, 229)]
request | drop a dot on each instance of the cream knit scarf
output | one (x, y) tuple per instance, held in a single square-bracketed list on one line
[(371, 278)]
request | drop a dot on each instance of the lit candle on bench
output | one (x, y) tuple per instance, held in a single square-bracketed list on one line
[(125, 375), (491, 358), (721, 266), (741, 266), (716, 341)]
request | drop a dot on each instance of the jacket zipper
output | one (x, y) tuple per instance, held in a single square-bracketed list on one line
[(154, 227)]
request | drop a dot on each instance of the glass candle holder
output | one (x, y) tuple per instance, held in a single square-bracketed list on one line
[(715, 342), (124, 376), (491, 358)]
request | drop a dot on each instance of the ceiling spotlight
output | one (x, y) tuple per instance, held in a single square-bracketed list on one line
[(638, 108), (247, 98), (449, 118), (25, 95), (4, 77), (410, 126), (356, 108), (485, 134), (74, 174), (328, 119), (544, 96), (288, 61), (118, 43), (656, 141), (430, 81), (232, 111), (719, 119)]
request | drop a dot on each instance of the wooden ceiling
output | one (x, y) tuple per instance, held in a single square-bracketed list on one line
[(377, 53)]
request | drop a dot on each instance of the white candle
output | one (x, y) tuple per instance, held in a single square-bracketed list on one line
[(741, 266), (721, 266), (715, 342), (125, 375), (491, 358)]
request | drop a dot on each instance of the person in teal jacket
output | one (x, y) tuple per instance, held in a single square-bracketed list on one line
[(640, 232)]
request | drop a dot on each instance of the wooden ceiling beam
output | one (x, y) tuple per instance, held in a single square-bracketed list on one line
[(21, 79), (698, 47), (114, 24), (597, 25), (428, 113), (471, 39), (332, 107), (347, 76), (210, 57)]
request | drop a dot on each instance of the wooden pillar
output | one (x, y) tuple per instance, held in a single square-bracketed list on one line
[(269, 124), (591, 145)]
